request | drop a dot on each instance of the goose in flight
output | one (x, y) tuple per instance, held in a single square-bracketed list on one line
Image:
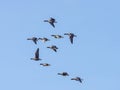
[(34, 39), (77, 79), (63, 74), (51, 21), (44, 64), (57, 36), (53, 47), (36, 58), (44, 39), (71, 36)]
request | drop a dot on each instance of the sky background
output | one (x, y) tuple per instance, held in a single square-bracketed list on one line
[(94, 56)]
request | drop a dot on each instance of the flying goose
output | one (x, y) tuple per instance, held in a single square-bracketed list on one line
[(77, 79), (53, 47), (44, 64), (71, 36), (63, 74), (51, 21), (36, 58), (57, 36), (34, 39), (44, 39)]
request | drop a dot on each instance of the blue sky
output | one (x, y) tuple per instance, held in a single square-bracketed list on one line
[(94, 56)]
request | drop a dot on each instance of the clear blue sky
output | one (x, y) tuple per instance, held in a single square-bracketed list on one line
[(94, 56)]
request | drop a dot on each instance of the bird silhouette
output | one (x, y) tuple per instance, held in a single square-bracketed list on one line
[(36, 58), (44, 39), (77, 79), (51, 21), (71, 36), (44, 64), (53, 47), (63, 74), (57, 36), (34, 39)]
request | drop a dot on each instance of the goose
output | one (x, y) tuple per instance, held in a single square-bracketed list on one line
[(71, 36), (34, 39), (77, 79), (63, 74), (44, 39), (53, 47), (51, 21), (57, 36), (44, 64), (36, 58)]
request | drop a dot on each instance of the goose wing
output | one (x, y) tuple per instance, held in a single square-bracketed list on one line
[(52, 24), (37, 53), (71, 39), (35, 41), (54, 49), (80, 80)]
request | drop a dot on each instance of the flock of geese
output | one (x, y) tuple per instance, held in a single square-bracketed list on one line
[(52, 22)]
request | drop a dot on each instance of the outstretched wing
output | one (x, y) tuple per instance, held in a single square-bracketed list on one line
[(35, 41), (52, 24), (37, 53), (80, 80), (71, 39), (55, 50)]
